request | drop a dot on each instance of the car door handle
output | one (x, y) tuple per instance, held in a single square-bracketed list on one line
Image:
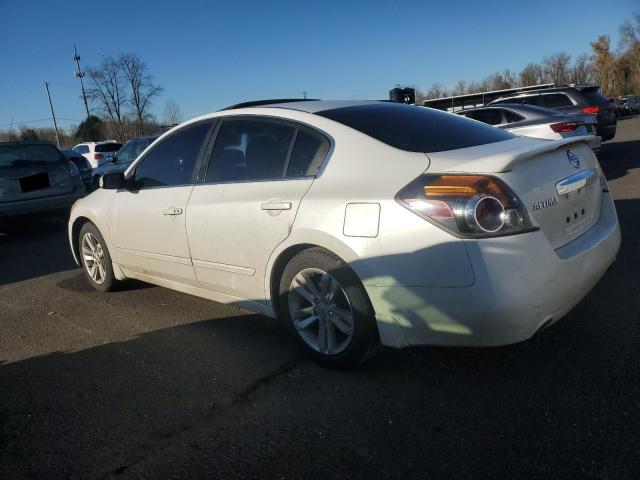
[(276, 206), (172, 211)]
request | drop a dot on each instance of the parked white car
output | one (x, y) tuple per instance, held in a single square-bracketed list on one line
[(537, 122), (98, 153), (358, 224)]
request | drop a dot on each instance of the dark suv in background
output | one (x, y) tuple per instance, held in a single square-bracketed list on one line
[(570, 100)]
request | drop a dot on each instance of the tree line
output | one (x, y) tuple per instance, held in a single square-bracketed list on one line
[(120, 92), (617, 72)]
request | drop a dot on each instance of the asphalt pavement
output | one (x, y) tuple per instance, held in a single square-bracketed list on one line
[(150, 383)]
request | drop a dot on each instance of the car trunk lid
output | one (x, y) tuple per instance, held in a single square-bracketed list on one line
[(558, 181), (30, 171)]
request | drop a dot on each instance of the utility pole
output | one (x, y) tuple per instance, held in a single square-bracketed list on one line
[(55, 125), (79, 73)]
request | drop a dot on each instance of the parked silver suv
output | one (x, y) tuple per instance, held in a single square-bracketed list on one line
[(572, 100)]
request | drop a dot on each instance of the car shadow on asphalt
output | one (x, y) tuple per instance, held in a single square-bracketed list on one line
[(33, 246), (617, 158)]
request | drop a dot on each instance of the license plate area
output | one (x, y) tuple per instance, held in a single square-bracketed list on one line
[(35, 182)]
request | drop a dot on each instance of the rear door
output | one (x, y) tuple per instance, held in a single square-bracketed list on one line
[(29, 171), (149, 220), (258, 171)]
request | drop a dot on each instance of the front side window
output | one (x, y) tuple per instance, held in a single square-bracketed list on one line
[(126, 153), (249, 150), (172, 162)]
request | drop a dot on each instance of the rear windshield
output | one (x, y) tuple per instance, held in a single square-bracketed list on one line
[(14, 154), (108, 147), (594, 97), (416, 129)]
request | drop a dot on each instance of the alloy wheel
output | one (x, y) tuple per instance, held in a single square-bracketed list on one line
[(93, 258), (320, 311)]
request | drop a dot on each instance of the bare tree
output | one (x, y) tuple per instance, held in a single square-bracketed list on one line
[(108, 92), (510, 78), (436, 91), (531, 74), (582, 70), (460, 88), (141, 87), (556, 67), (630, 33), (629, 61), (474, 87), (172, 113)]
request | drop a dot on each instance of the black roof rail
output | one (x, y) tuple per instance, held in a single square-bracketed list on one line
[(257, 103)]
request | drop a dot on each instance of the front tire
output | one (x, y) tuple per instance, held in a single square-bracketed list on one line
[(326, 308), (95, 258)]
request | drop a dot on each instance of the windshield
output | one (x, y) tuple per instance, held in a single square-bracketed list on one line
[(12, 154), (416, 129)]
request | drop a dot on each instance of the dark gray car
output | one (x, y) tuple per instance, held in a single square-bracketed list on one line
[(36, 177), (123, 157), (572, 100)]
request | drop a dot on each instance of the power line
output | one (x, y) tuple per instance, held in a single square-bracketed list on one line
[(38, 121)]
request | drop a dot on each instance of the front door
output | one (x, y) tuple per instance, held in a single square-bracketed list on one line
[(149, 218)]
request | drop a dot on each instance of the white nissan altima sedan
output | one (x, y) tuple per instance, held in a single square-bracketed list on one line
[(358, 224)]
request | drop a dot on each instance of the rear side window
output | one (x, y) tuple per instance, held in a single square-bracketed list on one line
[(491, 116), (82, 149), (108, 147), (512, 117), (594, 97), (249, 150), (556, 100), (172, 162), (528, 100), (415, 129), (18, 154), (308, 153)]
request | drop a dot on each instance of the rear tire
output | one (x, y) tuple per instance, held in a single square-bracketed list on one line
[(95, 258), (326, 308)]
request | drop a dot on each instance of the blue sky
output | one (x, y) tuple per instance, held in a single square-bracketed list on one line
[(211, 54)]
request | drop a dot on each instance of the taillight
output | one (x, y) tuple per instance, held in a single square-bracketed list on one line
[(564, 126), (474, 206), (98, 156), (593, 109)]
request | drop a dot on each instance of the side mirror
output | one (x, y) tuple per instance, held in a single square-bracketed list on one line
[(114, 158), (112, 181)]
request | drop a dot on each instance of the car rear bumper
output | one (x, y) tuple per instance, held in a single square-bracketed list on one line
[(40, 205), (521, 284)]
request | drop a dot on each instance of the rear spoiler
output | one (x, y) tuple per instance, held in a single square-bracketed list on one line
[(484, 161), (524, 154)]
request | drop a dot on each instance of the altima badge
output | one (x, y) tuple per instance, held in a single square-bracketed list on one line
[(573, 159), (540, 204)]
